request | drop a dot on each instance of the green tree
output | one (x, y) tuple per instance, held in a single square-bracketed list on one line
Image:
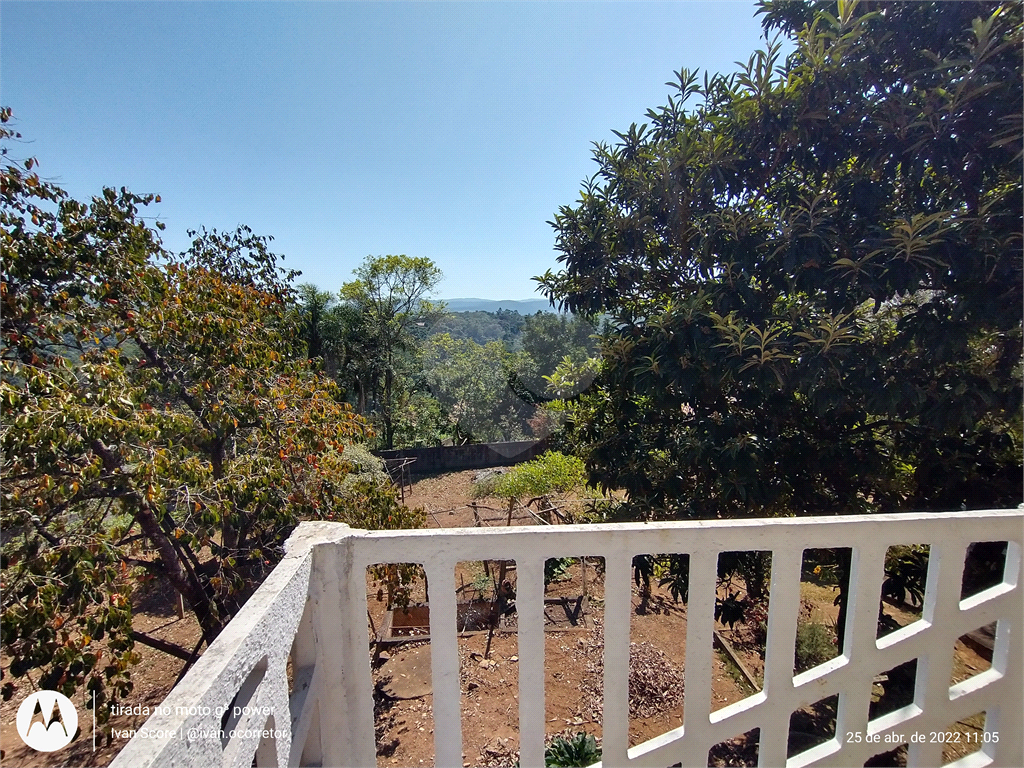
[(158, 419), (336, 335), (317, 323), (472, 382), (564, 386), (814, 272), (548, 340), (482, 327), (420, 419), (390, 297)]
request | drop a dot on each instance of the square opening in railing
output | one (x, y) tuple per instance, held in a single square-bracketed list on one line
[(984, 567), (891, 758), (893, 689), (903, 587), (741, 750), (822, 589), (812, 725), (740, 632), (487, 624), (657, 648), (398, 624), (972, 654), (964, 737), (574, 646)]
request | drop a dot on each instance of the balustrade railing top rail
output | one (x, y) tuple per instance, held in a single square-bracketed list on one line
[(237, 703)]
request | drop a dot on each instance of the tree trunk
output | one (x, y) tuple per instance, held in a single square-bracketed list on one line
[(229, 535), (172, 566), (361, 397), (187, 584), (385, 410)]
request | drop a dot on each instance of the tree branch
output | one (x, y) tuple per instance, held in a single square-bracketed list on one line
[(161, 645), (45, 533), (155, 359)]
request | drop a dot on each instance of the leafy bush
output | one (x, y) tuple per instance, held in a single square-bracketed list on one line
[(483, 586), (365, 466), (823, 566), (731, 609), (550, 473), (485, 486), (674, 573), (365, 498), (814, 645), (556, 567), (906, 571), (580, 750)]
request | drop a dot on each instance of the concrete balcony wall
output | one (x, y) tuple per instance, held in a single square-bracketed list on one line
[(312, 610)]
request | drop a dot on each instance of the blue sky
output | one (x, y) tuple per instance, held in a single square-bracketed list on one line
[(447, 130)]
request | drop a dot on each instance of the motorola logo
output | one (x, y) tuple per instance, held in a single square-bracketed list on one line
[(47, 721)]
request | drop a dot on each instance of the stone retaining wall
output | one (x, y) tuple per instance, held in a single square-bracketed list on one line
[(454, 458)]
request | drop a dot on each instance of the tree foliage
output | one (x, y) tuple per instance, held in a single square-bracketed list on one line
[(551, 340), (159, 418), (319, 324), (389, 297), (813, 271), (499, 391), (423, 375), (505, 326), (549, 473), (471, 383)]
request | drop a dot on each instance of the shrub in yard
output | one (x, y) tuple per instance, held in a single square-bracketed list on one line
[(485, 484), (556, 567), (580, 750), (365, 466), (906, 572), (550, 473), (814, 645)]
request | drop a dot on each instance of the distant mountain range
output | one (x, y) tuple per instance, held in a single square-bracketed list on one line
[(523, 307)]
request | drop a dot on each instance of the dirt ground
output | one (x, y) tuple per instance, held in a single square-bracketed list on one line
[(489, 677)]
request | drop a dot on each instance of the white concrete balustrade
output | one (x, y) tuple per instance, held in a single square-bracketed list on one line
[(312, 610)]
